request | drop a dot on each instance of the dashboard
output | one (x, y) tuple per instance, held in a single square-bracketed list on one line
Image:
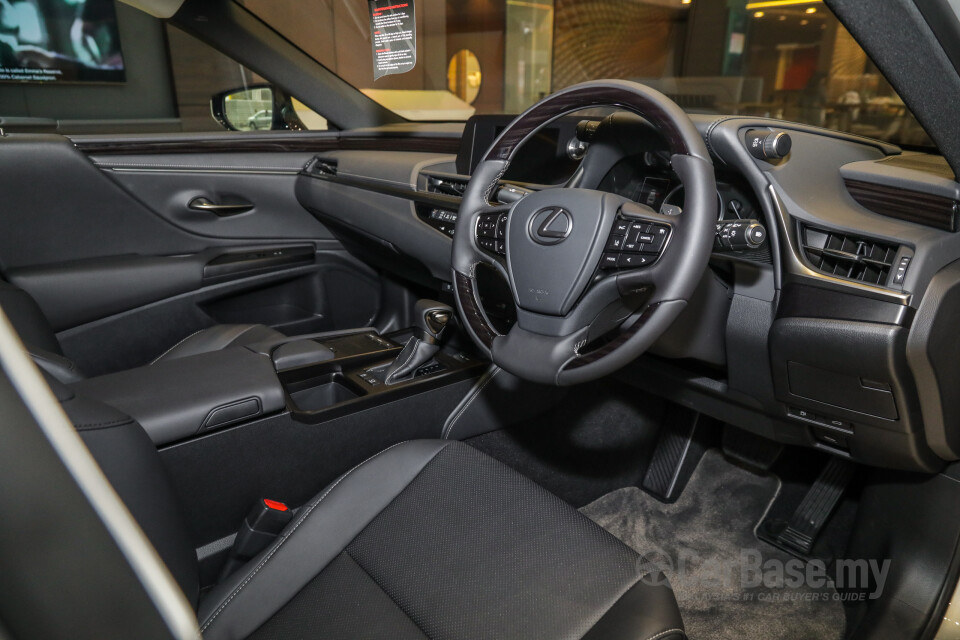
[(833, 329), (647, 179)]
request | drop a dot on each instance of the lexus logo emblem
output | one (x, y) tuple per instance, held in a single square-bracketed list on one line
[(551, 226)]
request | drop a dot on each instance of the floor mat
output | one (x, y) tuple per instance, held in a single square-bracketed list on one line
[(728, 583)]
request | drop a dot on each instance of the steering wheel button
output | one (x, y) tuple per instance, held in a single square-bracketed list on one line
[(621, 227), (640, 227), (609, 261), (645, 238), (615, 243), (632, 247), (629, 260)]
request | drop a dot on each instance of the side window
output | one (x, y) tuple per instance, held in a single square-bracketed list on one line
[(244, 101), (103, 67)]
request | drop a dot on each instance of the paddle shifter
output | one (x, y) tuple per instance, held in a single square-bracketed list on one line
[(431, 319)]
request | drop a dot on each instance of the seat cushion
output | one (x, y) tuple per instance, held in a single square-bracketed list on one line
[(219, 337), (433, 539)]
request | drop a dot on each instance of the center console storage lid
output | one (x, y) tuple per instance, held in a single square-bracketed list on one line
[(175, 399)]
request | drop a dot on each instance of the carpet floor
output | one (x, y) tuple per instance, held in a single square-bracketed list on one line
[(729, 584)]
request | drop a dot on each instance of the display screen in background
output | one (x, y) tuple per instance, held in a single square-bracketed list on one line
[(60, 41), (653, 192)]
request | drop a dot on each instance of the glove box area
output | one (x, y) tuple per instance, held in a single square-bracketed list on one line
[(848, 386)]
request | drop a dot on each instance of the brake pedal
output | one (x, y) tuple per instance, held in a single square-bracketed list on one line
[(677, 454)]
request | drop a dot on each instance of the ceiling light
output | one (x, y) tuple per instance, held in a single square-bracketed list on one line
[(782, 18), (685, 1), (758, 14), (811, 10), (804, 23), (766, 4)]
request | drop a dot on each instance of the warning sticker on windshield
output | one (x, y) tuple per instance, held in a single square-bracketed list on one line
[(394, 39)]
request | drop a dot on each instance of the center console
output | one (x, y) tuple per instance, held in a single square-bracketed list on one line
[(353, 377), (312, 378)]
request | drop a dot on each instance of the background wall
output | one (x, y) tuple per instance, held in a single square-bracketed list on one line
[(146, 95)]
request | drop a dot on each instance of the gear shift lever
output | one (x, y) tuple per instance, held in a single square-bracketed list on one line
[(431, 319)]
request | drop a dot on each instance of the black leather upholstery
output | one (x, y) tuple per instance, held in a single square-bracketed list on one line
[(432, 539), (27, 318), (220, 337), (129, 460), (427, 539), (37, 334)]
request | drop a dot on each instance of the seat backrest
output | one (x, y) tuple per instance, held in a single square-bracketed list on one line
[(36, 333), (129, 460), (75, 563), (27, 318)]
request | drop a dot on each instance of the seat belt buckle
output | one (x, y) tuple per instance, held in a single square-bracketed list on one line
[(264, 522), (262, 525)]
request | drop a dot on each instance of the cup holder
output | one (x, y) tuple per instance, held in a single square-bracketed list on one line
[(329, 392)]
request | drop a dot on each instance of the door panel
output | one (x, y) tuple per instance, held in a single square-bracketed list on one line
[(167, 184), (124, 268), (297, 300)]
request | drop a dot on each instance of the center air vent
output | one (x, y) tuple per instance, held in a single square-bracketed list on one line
[(848, 256), (325, 167)]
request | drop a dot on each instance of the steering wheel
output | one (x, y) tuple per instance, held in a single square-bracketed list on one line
[(596, 278)]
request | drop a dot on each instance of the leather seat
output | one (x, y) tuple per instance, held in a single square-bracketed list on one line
[(34, 329), (427, 539), (433, 539)]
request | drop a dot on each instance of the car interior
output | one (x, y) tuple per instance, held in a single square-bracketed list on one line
[(606, 366)]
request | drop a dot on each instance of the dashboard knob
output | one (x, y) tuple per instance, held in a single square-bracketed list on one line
[(764, 144), (756, 235), (738, 235)]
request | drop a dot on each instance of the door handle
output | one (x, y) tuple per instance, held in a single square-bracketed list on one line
[(222, 210)]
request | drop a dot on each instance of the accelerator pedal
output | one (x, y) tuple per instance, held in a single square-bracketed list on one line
[(811, 515)]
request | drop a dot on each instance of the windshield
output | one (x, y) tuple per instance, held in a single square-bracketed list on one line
[(785, 59)]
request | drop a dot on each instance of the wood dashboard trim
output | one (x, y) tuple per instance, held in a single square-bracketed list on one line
[(285, 143)]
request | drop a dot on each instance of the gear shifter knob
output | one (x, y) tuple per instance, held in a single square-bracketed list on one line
[(431, 318)]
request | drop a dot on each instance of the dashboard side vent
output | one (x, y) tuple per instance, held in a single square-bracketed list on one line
[(848, 256), (903, 204), (325, 167), (447, 185)]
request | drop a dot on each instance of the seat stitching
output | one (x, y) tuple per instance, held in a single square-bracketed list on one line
[(386, 593), (279, 544), (449, 428), (176, 345), (93, 426), (620, 597), (663, 634)]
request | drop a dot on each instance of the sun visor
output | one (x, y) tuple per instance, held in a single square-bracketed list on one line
[(156, 8)]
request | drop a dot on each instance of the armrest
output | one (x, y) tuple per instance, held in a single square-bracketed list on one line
[(178, 398)]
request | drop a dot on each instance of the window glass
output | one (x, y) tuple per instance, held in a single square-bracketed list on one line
[(96, 66), (200, 71), (781, 58)]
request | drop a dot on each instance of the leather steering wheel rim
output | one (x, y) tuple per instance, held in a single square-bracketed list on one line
[(637, 305)]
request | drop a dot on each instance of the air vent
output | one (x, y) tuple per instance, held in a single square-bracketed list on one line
[(446, 185), (912, 206), (325, 167), (848, 256)]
